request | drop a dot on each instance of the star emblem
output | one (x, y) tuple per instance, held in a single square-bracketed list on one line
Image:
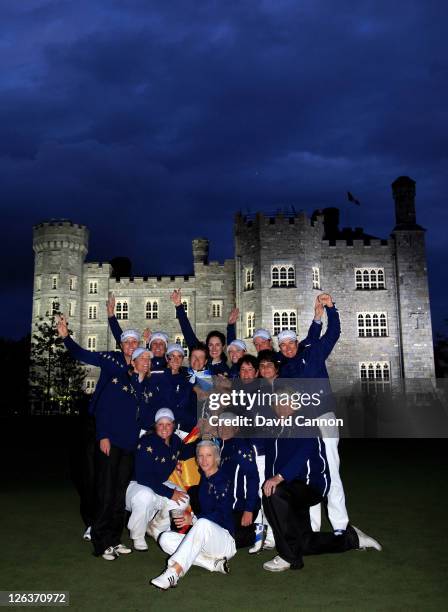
[(115, 380), (162, 460), (149, 449), (125, 388), (139, 446)]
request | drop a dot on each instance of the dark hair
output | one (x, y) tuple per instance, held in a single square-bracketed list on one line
[(220, 335), (250, 359), (270, 356), (200, 346)]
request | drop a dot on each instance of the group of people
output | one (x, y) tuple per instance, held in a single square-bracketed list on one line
[(150, 427)]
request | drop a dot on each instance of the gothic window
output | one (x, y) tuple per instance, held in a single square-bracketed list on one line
[(248, 278), (90, 385), (54, 282), (93, 287), (284, 319), (122, 310), (283, 276), (369, 278), (92, 312), (72, 283), (374, 371), (316, 278), (250, 324), (372, 325), (216, 309), (91, 343), (152, 309)]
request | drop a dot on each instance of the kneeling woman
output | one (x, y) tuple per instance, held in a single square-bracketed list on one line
[(209, 543)]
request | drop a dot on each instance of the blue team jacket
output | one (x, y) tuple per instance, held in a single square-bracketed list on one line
[(238, 462), (216, 500), (155, 461)]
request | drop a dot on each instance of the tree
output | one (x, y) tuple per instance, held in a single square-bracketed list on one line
[(56, 379)]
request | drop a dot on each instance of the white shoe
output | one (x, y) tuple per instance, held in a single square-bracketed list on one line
[(167, 580), (140, 544), (109, 554), (268, 544), (87, 535), (121, 549), (277, 564), (222, 565), (260, 536), (366, 541)]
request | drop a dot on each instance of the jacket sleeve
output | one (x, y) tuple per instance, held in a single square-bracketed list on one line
[(102, 421), (313, 334), (326, 344), (231, 333), (91, 357), (249, 469), (298, 459), (115, 328), (190, 337)]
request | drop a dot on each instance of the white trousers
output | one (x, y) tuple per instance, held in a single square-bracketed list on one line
[(205, 543), (337, 512), (144, 505)]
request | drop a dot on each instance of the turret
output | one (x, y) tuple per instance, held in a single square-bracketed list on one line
[(200, 251), (60, 248), (403, 191)]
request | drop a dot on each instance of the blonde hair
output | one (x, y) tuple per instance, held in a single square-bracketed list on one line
[(213, 445)]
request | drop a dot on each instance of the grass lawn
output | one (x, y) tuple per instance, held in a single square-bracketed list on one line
[(396, 491)]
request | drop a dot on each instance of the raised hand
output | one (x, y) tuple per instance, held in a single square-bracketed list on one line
[(233, 316), (62, 326), (146, 335), (110, 305), (176, 297), (326, 300), (318, 310)]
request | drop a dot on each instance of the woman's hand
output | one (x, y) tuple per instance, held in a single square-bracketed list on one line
[(105, 446), (271, 484), (247, 518), (62, 326), (179, 496), (183, 521), (233, 316), (176, 297)]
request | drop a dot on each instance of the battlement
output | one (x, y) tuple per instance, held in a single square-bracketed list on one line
[(357, 243), (59, 223), (279, 217), (173, 281)]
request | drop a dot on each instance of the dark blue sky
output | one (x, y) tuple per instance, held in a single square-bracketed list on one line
[(152, 123)]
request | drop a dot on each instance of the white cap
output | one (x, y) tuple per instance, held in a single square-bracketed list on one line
[(164, 413), (175, 348), (139, 351), (130, 333), (239, 344), (287, 334), (262, 333), (159, 336)]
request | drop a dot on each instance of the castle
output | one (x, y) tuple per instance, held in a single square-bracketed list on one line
[(282, 261)]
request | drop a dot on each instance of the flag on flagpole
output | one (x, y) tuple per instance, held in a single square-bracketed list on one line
[(351, 198)]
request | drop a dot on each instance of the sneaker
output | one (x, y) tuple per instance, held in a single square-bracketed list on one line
[(222, 565), (109, 554), (167, 580), (365, 541), (277, 564), (268, 544), (260, 537), (140, 544), (121, 549), (339, 532), (87, 535)]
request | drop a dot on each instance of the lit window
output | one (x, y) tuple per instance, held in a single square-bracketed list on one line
[(152, 309), (38, 283), (93, 287), (37, 308), (54, 309), (216, 310), (54, 282), (72, 283), (250, 324), (185, 305), (372, 325), (369, 278), (122, 310), (374, 371), (92, 312), (90, 385), (283, 276), (248, 278), (71, 308), (91, 343), (284, 319), (316, 278)]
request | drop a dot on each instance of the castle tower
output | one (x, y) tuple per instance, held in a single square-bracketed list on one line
[(417, 359), (200, 251), (60, 248)]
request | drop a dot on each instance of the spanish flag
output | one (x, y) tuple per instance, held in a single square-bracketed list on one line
[(190, 473)]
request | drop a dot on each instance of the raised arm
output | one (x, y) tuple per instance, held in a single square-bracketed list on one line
[(231, 325), (190, 337), (91, 357), (315, 327), (326, 344), (114, 325)]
